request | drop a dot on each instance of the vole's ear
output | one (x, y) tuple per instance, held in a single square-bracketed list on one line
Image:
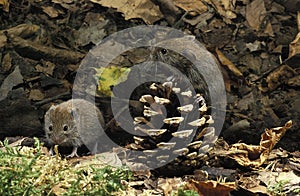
[(52, 108), (73, 111), (49, 112)]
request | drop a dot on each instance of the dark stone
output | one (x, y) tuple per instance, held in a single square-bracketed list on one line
[(19, 117)]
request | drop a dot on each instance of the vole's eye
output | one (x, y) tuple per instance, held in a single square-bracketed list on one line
[(65, 127), (50, 127), (163, 51)]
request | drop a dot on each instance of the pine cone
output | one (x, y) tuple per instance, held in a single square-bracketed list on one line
[(173, 126), (174, 130)]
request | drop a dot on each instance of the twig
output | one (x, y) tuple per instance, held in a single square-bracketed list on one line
[(66, 94), (36, 51)]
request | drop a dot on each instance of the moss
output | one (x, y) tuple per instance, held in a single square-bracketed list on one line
[(29, 171)]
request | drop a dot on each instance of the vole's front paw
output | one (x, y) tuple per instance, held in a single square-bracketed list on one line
[(51, 152), (74, 153)]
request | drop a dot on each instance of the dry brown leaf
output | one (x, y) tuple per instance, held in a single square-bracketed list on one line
[(225, 8), (290, 179), (63, 1), (294, 82), (259, 189), (36, 95), (143, 9), (225, 62), (294, 52), (3, 40), (6, 62), (253, 155), (67, 4), (227, 79), (194, 7), (277, 77), (250, 183), (139, 169), (255, 46), (51, 11), (47, 69), (5, 5), (92, 30), (211, 188), (271, 136), (169, 185), (295, 46), (200, 19), (22, 30), (269, 29), (255, 13), (298, 20), (13, 79)]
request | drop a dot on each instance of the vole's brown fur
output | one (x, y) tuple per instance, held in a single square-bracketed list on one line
[(73, 123)]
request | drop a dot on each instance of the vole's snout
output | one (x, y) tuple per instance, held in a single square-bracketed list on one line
[(56, 140)]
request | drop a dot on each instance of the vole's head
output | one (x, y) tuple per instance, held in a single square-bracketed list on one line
[(163, 55), (60, 126)]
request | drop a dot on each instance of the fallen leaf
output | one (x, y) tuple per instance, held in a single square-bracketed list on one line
[(230, 66), (4, 4), (143, 9), (51, 11), (200, 20), (225, 8), (63, 1), (92, 31), (298, 21), (278, 49), (36, 95), (3, 40), (10, 81), (211, 188), (169, 186), (67, 4), (269, 29), (277, 77), (22, 30), (255, 46), (289, 180), (294, 46), (255, 13), (47, 69), (246, 102), (6, 63), (109, 77), (139, 169), (255, 155), (250, 184), (294, 82), (194, 7)]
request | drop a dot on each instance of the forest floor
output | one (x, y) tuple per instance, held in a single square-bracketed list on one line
[(256, 43)]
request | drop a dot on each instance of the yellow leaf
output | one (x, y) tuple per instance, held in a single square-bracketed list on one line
[(110, 76)]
